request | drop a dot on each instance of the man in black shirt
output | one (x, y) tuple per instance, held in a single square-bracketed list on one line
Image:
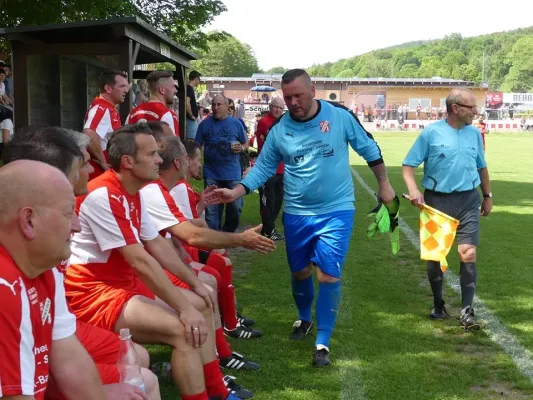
[(191, 106)]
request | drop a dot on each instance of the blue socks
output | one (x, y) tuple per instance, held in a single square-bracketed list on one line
[(327, 308), (303, 293)]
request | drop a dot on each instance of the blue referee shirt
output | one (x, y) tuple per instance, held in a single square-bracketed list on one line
[(451, 157)]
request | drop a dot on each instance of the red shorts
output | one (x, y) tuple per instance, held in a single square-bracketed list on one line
[(145, 290), (103, 347), (101, 305)]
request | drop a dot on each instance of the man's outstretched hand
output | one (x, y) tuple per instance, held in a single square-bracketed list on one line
[(218, 196), (253, 240)]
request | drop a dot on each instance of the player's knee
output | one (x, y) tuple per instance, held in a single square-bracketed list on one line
[(304, 273), (209, 281), (467, 254), (142, 353), (325, 278), (151, 384)]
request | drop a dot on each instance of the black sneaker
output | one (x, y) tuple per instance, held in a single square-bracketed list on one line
[(276, 236), (235, 389), (438, 312), (467, 319), (301, 330), (243, 332), (237, 361), (321, 357), (245, 320)]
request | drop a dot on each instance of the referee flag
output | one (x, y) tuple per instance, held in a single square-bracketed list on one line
[(437, 233)]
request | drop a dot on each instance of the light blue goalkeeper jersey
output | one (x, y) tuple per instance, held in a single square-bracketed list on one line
[(315, 152)]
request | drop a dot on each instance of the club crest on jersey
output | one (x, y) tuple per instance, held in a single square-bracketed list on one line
[(324, 126)]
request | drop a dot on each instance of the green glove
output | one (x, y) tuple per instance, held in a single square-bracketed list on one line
[(394, 216), (380, 220)]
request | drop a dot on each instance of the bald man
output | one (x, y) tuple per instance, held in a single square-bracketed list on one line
[(223, 138), (271, 193), (454, 166), (38, 331)]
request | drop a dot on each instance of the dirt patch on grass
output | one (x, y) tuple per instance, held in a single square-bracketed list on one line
[(500, 391), (474, 350)]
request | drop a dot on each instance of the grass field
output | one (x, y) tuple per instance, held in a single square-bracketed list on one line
[(385, 347)]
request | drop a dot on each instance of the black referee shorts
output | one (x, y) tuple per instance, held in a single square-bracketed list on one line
[(463, 206)]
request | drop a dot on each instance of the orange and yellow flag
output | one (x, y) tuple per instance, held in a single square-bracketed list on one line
[(437, 233)]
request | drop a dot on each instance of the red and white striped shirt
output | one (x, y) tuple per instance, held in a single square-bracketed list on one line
[(155, 111), (102, 118), (186, 199), (161, 206), (110, 218), (34, 313)]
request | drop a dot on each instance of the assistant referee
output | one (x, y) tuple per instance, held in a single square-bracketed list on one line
[(454, 166)]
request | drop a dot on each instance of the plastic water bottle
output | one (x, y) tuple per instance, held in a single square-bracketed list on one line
[(128, 364)]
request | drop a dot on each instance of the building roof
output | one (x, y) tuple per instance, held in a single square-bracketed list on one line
[(103, 31), (435, 81)]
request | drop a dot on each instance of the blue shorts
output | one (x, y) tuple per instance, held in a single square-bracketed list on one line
[(321, 239)]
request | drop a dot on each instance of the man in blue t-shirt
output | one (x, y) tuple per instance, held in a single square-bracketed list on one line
[(454, 166), (312, 141), (223, 138)]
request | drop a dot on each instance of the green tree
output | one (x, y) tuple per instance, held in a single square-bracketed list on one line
[(452, 57), (408, 71), (180, 19), (277, 70), (319, 70), (227, 57), (520, 78)]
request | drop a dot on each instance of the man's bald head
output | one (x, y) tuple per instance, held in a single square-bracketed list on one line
[(278, 102), (277, 107), (461, 107), (458, 96), (37, 215), (220, 98), (220, 106), (28, 183)]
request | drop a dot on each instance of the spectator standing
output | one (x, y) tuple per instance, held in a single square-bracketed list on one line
[(143, 94), (239, 110), (271, 192), (223, 138), (6, 133), (205, 100), (4, 98), (511, 111), (191, 107), (8, 81)]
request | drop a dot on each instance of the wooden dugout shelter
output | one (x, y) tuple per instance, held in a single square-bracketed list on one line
[(56, 66)]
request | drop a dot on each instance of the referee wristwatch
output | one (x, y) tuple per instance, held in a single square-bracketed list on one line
[(487, 195)]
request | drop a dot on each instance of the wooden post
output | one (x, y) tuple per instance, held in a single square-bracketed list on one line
[(182, 97), (125, 64), (20, 85)]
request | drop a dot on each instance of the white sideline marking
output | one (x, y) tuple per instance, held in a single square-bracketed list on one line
[(494, 327), (351, 379)]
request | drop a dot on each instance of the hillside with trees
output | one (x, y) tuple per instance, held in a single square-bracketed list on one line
[(508, 61)]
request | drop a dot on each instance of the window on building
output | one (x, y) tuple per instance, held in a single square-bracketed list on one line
[(414, 102), (443, 102)]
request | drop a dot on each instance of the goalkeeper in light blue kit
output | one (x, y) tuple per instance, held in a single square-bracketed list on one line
[(312, 140)]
